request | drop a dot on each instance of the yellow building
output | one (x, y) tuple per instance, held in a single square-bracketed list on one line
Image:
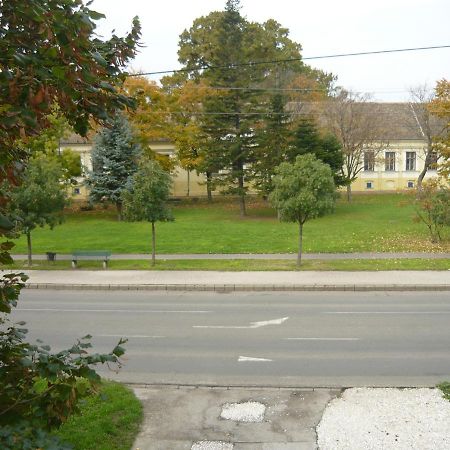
[(393, 166)]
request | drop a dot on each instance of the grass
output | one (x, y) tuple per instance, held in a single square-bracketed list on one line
[(445, 388), (235, 265), (377, 222), (108, 421)]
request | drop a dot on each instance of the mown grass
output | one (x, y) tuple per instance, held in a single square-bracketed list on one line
[(235, 265), (108, 421), (445, 388), (378, 222)]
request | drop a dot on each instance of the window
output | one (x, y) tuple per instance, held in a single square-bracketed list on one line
[(433, 160), (369, 184), (369, 161), (76, 191), (389, 162), (410, 184), (410, 161)]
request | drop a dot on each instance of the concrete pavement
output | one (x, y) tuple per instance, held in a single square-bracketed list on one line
[(192, 418), (239, 281), (284, 256)]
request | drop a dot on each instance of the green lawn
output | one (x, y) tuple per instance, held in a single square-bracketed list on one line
[(445, 388), (109, 421), (371, 223)]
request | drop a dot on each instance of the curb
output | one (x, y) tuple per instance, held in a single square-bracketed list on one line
[(238, 287)]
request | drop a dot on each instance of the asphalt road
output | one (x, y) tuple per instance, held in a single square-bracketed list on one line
[(270, 339)]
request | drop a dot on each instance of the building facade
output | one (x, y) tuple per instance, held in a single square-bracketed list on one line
[(395, 165)]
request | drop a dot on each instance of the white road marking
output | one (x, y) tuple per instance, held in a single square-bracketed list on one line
[(251, 359), (113, 310), (387, 312), (319, 339), (128, 336), (252, 324)]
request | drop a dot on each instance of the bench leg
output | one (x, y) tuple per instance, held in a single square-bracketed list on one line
[(74, 264)]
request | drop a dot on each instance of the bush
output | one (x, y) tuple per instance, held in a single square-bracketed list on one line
[(40, 389)]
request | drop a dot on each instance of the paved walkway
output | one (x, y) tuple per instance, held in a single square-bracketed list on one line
[(239, 281), (325, 256)]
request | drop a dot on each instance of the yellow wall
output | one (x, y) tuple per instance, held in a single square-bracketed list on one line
[(380, 179)]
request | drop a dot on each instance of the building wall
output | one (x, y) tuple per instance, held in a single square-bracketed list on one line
[(399, 179), (377, 180)]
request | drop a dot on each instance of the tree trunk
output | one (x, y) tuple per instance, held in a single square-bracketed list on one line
[(242, 209), (426, 166), (349, 193), (300, 244), (119, 211), (30, 262), (188, 183), (208, 186), (153, 244)]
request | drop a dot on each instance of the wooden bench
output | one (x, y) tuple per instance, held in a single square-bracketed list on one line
[(97, 255)]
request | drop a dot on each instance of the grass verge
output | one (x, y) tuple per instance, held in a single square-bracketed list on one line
[(236, 265), (445, 388), (108, 421), (382, 223)]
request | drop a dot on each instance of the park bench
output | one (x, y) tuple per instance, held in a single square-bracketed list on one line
[(99, 255)]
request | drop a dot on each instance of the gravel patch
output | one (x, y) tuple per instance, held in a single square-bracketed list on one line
[(243, 412), (212, 445), (369, 418)]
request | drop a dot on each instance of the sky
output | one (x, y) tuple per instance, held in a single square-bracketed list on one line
[(322, 27)]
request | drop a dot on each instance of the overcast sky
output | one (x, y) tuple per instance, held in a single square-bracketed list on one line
[(322, 27)]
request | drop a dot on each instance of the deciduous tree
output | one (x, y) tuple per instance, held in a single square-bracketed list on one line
[(302, 191), (40, 199), (359, 126), (146, 197), (50, 54), (440, 107)]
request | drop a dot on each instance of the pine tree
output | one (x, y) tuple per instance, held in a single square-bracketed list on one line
[(308, 140), (273, 139), (114, 161)]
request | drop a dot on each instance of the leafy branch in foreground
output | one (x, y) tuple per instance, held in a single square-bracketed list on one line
[(40, 389)]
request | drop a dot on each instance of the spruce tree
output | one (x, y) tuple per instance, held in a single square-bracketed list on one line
[(114, 161), (325, 147)]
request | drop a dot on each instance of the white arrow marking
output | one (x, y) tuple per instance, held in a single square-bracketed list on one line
[(249, 358), (252, 324)]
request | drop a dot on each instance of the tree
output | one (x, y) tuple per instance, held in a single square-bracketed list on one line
[(273, 141), (324, 147), (50, 54), (440, 107), (114, 161), (433, 208), (147, 195), (151, 118), (40, 198), (358, 125), (218, 49), (426, 126), (302, 191)]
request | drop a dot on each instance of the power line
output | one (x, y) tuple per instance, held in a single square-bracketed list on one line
[(278, 61)]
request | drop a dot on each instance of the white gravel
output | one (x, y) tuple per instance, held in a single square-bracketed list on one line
[(212, 445), (365, 418), (243, 412)]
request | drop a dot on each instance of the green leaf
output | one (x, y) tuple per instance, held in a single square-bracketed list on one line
[(40, 385)]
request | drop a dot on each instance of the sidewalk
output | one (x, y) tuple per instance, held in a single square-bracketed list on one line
[(223, 418), (239, 281), (288, 256)]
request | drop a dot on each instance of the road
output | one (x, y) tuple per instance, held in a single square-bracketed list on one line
[(270, 339)]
